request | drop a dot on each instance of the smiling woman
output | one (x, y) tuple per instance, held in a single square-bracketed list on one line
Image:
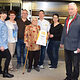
[(12, 34), (30, 38)]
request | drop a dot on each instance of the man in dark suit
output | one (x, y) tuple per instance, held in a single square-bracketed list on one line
[(71, 41)]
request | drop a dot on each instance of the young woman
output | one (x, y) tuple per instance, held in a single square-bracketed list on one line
[(54, 42)]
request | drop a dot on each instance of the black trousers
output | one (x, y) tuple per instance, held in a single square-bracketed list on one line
[(33, 55), (72, 65), (5, 54)]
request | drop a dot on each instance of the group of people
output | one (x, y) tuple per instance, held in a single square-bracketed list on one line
[(26, 33)]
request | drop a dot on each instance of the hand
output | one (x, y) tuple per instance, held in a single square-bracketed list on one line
[(2, 48), (61, 45), (47, 37), (51, 35), (27, 45), (78, 50)]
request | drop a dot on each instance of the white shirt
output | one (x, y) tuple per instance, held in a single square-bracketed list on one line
[(12, 31), (44, 25), (68, 25)]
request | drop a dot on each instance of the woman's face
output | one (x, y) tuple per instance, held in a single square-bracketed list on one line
[(12, 16), (35, 21), (55, 18)]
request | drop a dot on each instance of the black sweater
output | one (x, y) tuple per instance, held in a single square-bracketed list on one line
[(56, 31)]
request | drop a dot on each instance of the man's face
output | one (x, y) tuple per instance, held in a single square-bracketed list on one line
[(4, 16), (41, 15), (72, 10), (24, 14)]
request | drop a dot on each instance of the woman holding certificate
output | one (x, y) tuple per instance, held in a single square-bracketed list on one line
[(30, 38), (54, 43)]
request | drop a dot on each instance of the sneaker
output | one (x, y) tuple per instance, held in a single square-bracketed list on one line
[(28, 70), (37, 69), (51, 67), (41, 67)]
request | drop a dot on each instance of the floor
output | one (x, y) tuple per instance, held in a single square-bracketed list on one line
[(44, 74)]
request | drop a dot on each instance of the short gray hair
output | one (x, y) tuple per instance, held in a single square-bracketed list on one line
[(73, 3)]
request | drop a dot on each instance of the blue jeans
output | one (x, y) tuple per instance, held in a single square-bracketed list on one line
[(52, 51), (42, 55), (20, 46)]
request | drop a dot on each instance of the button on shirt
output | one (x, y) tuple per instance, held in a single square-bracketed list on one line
[(44, 25), (3, 34)]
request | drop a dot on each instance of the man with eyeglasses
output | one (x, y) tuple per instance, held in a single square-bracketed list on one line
[(22, 22)]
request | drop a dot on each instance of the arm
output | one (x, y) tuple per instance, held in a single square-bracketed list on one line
[(63, 36), (3, 36), (26, 36), (78, 49)]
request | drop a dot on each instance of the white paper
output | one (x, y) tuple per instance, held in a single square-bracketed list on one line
[(75, 52), (42, 38)]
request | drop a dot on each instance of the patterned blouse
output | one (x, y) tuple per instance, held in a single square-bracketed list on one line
[(30, 36)]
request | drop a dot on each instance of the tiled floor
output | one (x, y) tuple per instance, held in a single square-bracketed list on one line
[(44, 74)]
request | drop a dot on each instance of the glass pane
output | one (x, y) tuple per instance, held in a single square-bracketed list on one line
[(17, 7)]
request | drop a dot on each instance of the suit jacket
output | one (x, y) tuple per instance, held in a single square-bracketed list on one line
[(71, 40)]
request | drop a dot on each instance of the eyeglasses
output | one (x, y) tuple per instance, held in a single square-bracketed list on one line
[(24, 13), (12, 15)]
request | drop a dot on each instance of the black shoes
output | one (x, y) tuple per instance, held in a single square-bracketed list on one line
[(37, 68), (8, 75)]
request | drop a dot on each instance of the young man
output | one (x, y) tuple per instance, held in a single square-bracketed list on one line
[(20, 44), (4, 52), (44, 25), (71, 40)]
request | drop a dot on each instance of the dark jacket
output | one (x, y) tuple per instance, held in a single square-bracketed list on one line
[(71, 40)]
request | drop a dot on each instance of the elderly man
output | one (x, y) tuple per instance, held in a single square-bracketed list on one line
[(71, 41)]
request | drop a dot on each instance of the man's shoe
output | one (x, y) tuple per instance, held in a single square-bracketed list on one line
[(8, 75), (37, 68)]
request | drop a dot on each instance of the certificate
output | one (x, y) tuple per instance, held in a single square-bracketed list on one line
[(42, 38)]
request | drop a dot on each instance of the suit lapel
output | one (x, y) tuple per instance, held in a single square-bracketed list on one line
[(70, 23)]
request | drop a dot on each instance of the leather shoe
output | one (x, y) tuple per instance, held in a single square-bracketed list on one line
[(37, 68), (8, 75)]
